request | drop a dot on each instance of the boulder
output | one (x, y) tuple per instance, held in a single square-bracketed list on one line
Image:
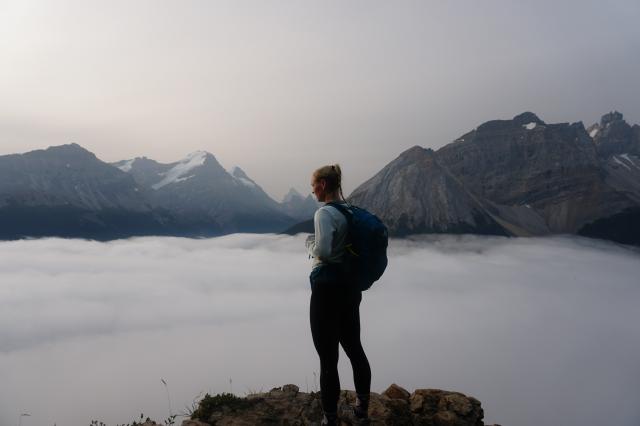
[(396, 392)]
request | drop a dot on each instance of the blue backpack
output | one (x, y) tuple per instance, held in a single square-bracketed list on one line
[(366, 249)]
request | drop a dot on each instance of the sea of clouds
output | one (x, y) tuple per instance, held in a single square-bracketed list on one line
[(542, 331)]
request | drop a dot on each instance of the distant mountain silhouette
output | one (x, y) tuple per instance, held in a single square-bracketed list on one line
[(206, 199), (66, 191), (299, 207), (518, 177)]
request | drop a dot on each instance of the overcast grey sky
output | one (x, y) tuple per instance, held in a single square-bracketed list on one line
[(543, 331), (281, 87)]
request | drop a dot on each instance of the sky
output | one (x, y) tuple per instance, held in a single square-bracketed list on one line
[(280, 88), (542, 331)]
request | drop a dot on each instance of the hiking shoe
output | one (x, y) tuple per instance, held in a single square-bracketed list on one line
[(330, 419), (361, 409)]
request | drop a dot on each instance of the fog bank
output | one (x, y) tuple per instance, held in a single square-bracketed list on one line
[(541, 331)]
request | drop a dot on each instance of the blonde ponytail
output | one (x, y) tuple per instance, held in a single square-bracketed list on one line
[(332, 174)]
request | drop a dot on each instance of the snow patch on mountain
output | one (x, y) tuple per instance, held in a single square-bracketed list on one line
[(183, 179), (626, 157), (184, 166), (594, 132), (126, 166), (530, 126), (246, 182), (617, 160)]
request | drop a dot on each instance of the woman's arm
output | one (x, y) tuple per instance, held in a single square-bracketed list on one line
[(320, 246)]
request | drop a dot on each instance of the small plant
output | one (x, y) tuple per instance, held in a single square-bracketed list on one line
[(171, 420), (189, 410), (211, 404)]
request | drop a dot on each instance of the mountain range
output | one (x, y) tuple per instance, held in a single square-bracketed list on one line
[(67, 191), (517, 177)]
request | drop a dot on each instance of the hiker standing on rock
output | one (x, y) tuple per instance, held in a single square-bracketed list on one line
[(335, 297)]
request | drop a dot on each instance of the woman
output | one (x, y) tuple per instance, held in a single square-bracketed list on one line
[(335, 302)]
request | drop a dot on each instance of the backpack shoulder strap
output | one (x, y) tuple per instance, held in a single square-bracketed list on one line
[(342, 209)]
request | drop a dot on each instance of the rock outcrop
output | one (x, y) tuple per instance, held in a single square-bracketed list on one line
[(288, 406)]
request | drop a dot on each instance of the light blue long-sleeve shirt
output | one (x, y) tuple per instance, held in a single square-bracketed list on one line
[(328, 242)]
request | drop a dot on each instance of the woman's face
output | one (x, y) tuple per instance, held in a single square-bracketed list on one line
[(318, 188)]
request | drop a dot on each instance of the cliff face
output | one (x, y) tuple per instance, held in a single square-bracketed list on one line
[(516, 177), (414, 193), (288, 406), (614, 136), (553, 168)]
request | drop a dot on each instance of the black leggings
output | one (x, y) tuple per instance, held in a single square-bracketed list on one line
[(335, 318)]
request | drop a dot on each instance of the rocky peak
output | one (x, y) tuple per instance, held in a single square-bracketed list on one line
[(527, 118), (238, 173), (611, 117), (69, 147), (614, 136), (417, 153), (298, 206), (292, 195), (241, 177), (69, 152), (287, 405)]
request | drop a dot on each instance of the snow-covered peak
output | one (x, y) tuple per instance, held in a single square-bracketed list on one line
[(530, 126), (182, 168)]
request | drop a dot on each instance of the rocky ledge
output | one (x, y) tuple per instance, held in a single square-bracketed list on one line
[(286, 405)]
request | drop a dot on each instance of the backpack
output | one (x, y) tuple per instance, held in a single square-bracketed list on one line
[(366, 249)]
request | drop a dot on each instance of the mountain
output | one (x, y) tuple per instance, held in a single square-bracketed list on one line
[(415, 194), (205, 198), (516, 177), (520, 177), (613, 136), (618, 147), (66, 191), (297, 206)]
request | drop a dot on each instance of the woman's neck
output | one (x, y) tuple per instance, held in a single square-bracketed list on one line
[(332, 198)]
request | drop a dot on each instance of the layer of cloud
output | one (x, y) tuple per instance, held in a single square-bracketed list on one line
[(542, 331)]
